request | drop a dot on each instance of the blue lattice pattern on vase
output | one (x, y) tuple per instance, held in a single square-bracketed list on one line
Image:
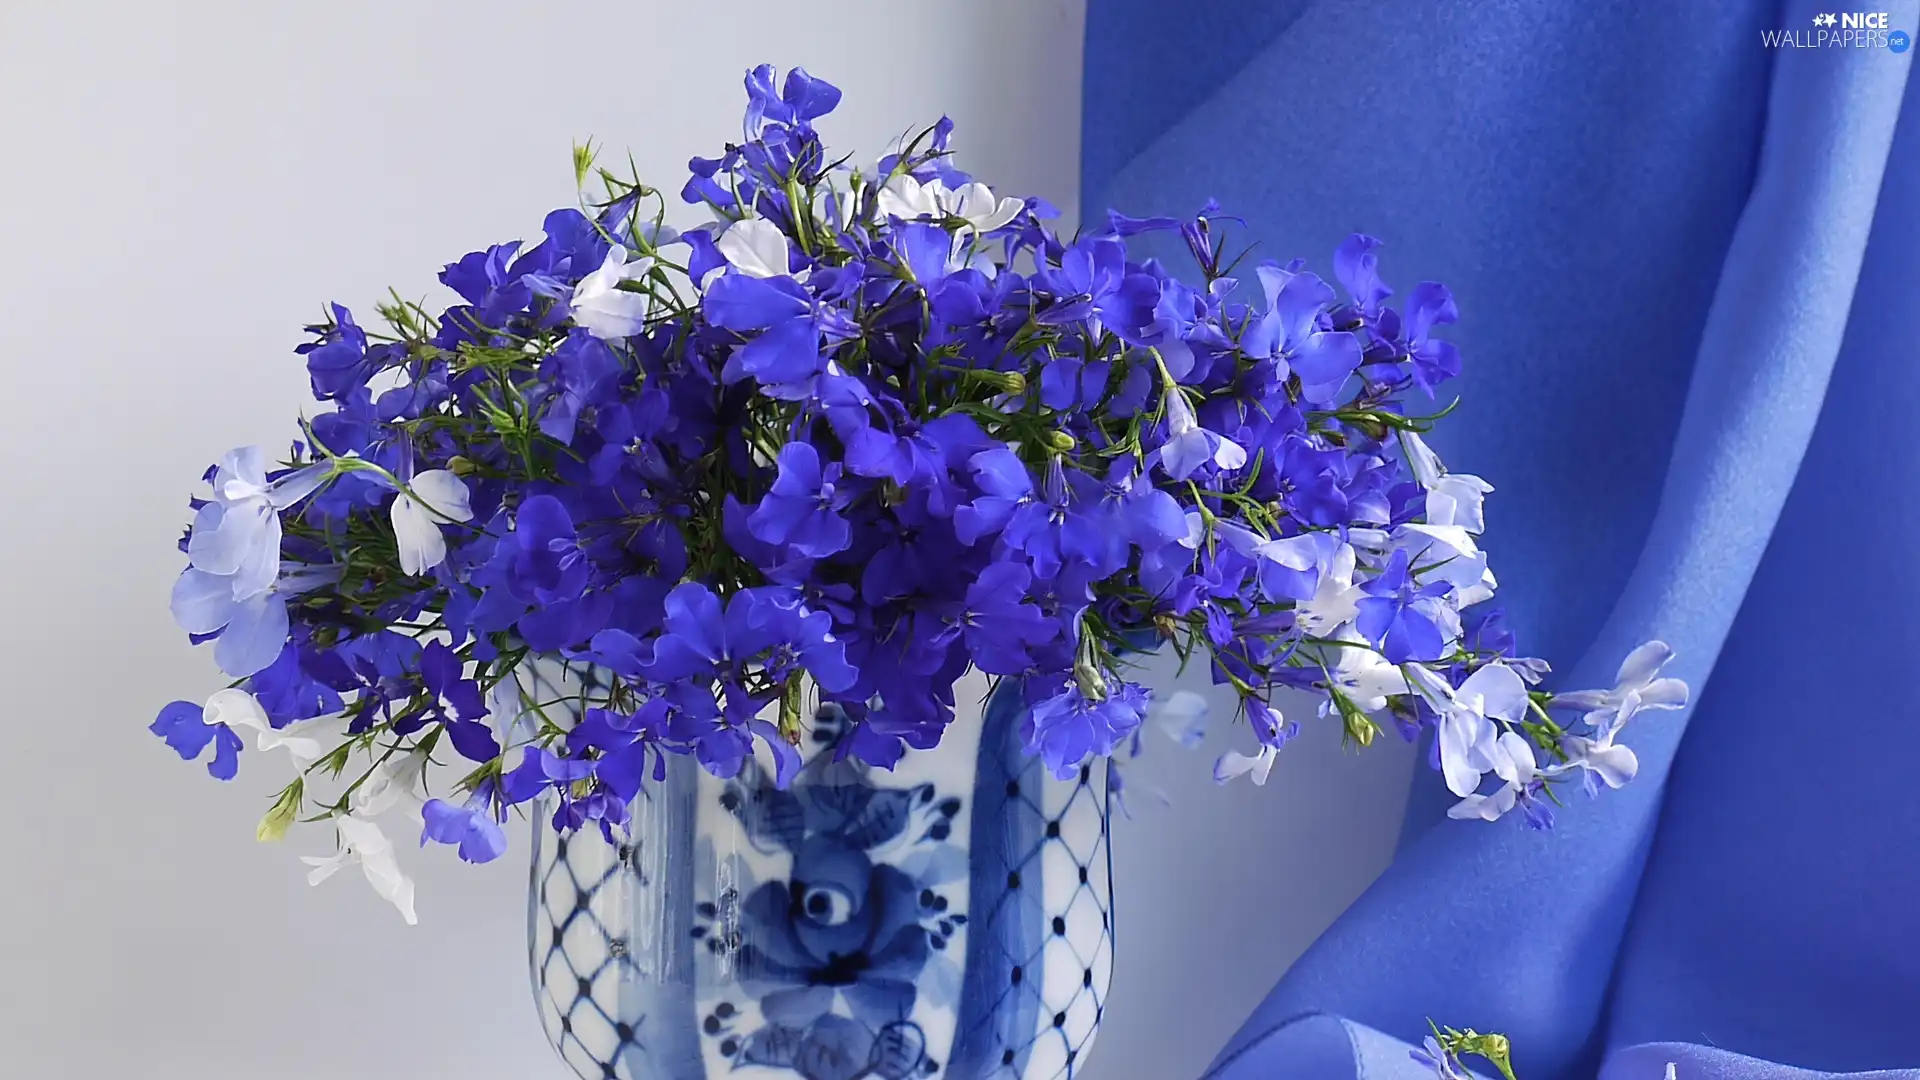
[(1042, 954), (578, 961)]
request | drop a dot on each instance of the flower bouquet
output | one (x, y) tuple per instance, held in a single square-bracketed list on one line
[(799, 468)]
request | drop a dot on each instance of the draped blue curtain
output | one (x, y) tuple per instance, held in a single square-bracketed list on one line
[(1688, 267)]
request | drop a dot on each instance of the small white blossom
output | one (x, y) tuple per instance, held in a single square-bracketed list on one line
[(602, 307), (1233, 764), (236, 535), (434, 496), (1190, 446), (238, 709), (1363, 676), (1182, 715), (1637, 686), (1522, 769), (1467, 732), (755, 247), (1336, 596), (1452, 498), (361, 841), (1447, 553), (908, 199), (397, 780)]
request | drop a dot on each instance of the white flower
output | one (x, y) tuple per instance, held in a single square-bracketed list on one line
[(975, 204), (1447, 553), (1637, 686), (1467, 734), (755, 247), (602, 307), (908, 199), (1521, 769), (1363, 676), (397, 780), (1182, 715), (238, 709), (1336, 597), (434, 496), (236, 535), (362, 841), (1452, 498), (1233, 763), (1190, 446)]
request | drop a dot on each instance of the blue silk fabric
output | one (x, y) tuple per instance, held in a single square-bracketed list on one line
[(1688, 267)]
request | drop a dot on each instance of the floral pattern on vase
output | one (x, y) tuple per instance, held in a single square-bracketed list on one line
[(832, 954), (947, 917)]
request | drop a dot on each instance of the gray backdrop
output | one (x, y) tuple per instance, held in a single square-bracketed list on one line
[(183, 185)]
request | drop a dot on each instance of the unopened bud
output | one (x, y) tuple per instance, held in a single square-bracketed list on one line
[(1059, 441), (460, 466), (1360, 727)]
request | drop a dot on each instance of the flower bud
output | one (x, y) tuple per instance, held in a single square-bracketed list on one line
[(460, 466), (1360, 727), (1059, 441)]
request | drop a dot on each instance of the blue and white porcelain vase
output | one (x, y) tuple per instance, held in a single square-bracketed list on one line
[(951, 917)]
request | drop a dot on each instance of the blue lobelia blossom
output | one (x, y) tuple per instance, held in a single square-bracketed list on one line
[(1290, 332), (184, 727), (338, 360), (457, 704), (1396, 615), (473, 827), (252, 631), (1067, 728), (1063, 525), (549, 571), (996, 622), (1358, 268), (1433, 361), (488, 282), (801, 100), (802, 510), (1095, 284)]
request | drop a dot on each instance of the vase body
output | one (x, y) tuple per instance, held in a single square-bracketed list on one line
[(949, 917)]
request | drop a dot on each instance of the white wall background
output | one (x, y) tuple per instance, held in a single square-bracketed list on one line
[(181, 186)]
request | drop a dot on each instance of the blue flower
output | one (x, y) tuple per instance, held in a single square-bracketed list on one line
[(474, 827), (997, 623), (802, 509), (1094, 282), (1290, 333), (801, 100), (1063, 525), (457, 704), (1395, 616), (338, 361), (182, 725), (1433, 361), (1064, 730)]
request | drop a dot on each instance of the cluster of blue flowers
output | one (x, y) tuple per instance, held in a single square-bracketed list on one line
[(861, 433)]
